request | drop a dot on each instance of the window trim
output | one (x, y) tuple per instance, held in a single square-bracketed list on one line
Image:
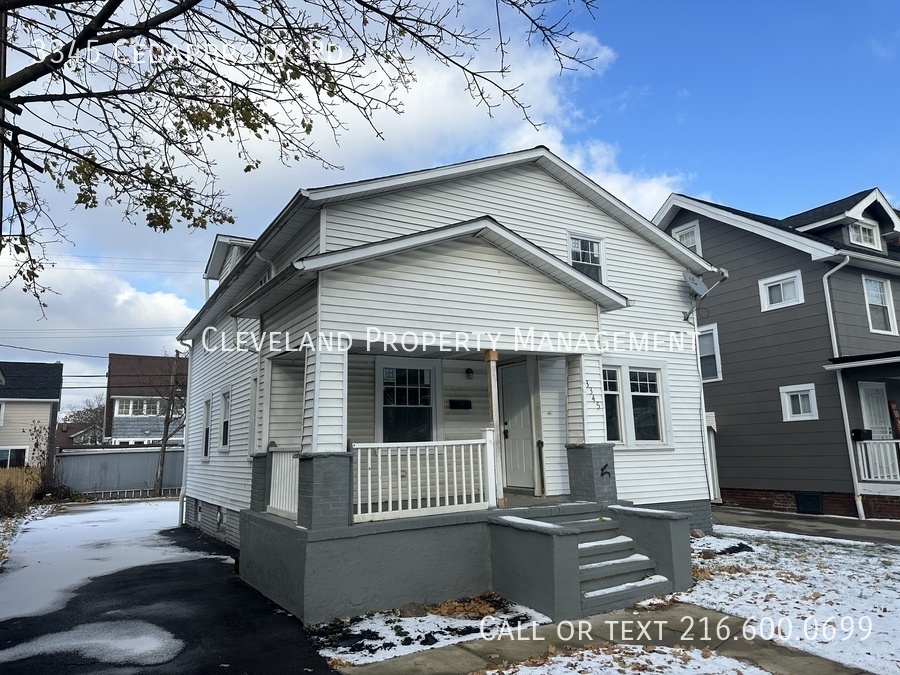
[(160, 406), (693, 225), (626, 410), (2, 411), (570, 235), (785, 395), (889, 296), (869, 225), (437, 398), (224, 426), (714, 329), (764, 284)]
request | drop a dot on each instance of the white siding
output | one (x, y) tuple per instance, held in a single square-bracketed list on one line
[(331, 403), (361, 399), (552, 375), (303, 244), (223, 478), (286, 402), (575, 396), (457, 286)]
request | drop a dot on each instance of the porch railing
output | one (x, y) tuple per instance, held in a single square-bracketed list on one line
[(284, 475), (400, 480), (878, 460)]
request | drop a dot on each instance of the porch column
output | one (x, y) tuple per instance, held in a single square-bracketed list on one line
[(491, 357)]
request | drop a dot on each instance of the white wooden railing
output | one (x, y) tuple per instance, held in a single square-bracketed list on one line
[(878, 460), (402, 480), (284, 475)]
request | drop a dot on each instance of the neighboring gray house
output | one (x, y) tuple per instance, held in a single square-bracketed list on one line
[(366, 408), (800, 352)]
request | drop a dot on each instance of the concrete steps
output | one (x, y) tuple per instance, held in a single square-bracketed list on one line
[(611, 573)]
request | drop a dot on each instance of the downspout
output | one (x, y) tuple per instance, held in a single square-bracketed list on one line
[(860, 511), (184, 431), (704, 432)]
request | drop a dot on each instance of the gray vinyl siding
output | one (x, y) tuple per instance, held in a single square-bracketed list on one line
[(762, 351), (851, 319)]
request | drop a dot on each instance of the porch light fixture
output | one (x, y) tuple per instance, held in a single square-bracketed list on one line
[(470, 374)]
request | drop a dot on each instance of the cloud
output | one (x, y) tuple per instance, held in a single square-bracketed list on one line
[(884, 49), (81, 319)]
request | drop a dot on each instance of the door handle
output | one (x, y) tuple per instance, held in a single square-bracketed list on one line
[(506, 433)]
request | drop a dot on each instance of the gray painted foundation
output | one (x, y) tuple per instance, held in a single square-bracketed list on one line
[(592, 472), (700, 512)]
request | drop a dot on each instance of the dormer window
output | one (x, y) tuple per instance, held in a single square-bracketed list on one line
[(587, 256), (865, 234)]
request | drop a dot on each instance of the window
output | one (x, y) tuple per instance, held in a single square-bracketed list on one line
[(612, 404), (689, 236), (645, 404), (865, 234), (206, 421), (783, 290), (708, 350), (880, 306), (633, 404), (2, 410), (12, 457), (407, 404), (587, 257), (225, 413), (798, 402), (138, 407), (254, 415)]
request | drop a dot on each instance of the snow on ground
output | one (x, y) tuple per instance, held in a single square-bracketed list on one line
[(133, 642), (834, 598), (384, 635), (52, 557), (9, 527), (628, 659)]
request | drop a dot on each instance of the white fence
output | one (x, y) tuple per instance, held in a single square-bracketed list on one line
[(878, 460), (401, 480), (284, 474)]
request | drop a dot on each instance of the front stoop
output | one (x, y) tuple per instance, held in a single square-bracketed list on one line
[(611, 573)]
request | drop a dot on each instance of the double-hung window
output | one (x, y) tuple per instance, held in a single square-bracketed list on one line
[(207, 418), (586, 256), (633, 404), (880, 305), (708, 349), (225, 414), (780, 291)]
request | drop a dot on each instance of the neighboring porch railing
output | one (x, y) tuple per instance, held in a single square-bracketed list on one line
[(401, 480), (284, 475), (878, 460)]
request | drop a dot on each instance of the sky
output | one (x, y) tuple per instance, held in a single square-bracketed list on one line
[(767, 106)]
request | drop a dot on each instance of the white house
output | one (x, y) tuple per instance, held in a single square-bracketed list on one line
[(395, 363)]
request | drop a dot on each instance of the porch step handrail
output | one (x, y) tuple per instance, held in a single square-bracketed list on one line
[(401, 480), (878, 460)]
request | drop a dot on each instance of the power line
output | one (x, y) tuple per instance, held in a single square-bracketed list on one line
[(48, 351)]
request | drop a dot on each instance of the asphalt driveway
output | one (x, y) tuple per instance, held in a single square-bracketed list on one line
[(175, 605)]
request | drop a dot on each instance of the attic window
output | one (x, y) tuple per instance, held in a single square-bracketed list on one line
[(865, 234), (587, 256), (689, 236)]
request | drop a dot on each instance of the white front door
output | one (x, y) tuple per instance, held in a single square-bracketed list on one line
[(876, 416), (518, 442)]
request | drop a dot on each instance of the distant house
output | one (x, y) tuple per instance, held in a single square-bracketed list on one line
[(78, 435), (29, 401), (359, 471), (137, 390), (800, 352)]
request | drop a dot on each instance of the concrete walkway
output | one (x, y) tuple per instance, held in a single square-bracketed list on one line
[(881, 531), (680, 624)]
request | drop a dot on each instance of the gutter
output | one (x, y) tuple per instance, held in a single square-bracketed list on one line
[(829, 310), (184, 467)]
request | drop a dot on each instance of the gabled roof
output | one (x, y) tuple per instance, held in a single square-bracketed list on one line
[(486, 229), (219, 252), (33, 381), (308, 202), (794, 231)]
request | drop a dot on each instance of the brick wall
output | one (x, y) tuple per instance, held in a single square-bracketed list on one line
[(878, 506), (836, 503)]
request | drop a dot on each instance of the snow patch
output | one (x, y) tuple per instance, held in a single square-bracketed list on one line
[(121, 642)]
